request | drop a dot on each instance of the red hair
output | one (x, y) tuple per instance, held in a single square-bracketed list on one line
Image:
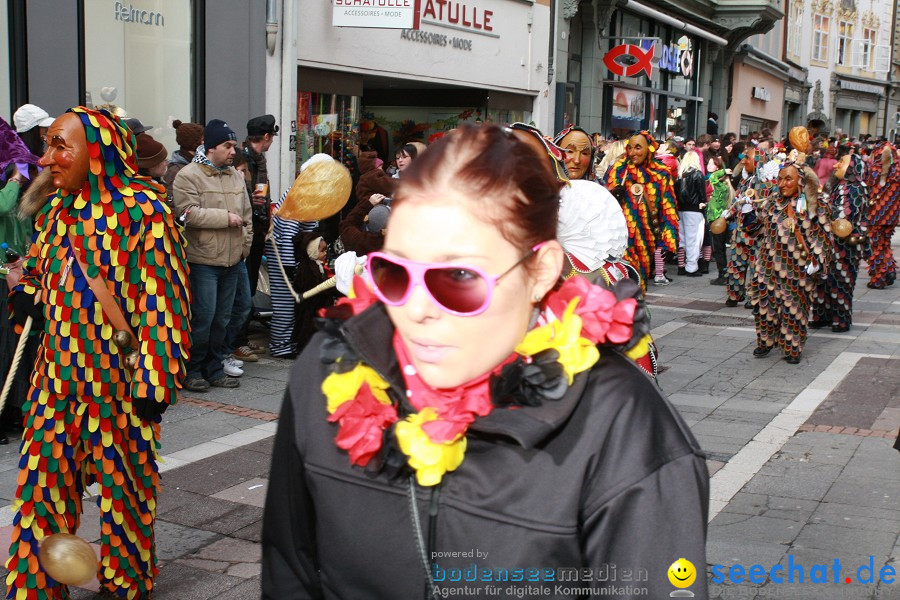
[(503, 176)]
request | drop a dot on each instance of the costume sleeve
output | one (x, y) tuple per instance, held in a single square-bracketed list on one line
[(289, 568), (819, 238), (163, 306), (9, 195), (187, 199), (652, 523), (247, 216), (352, 235), (667, 214)]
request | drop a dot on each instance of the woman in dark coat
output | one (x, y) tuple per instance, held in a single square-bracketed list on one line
[(309, 248)]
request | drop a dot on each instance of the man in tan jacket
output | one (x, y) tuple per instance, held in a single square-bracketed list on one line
[(211, 200)]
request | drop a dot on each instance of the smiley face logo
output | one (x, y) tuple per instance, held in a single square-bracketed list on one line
[(682, 573)]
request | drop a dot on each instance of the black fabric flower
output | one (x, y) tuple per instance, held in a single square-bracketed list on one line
[(529, 384)]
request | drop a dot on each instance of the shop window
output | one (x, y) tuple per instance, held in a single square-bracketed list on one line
[(329, 124), (844, 47), (821, 26), (138, 61)]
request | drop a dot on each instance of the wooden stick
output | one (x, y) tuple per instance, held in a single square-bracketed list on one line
[(17, 358), (328, 284)]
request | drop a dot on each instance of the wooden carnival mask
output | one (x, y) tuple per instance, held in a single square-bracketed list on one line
[(67, 153)]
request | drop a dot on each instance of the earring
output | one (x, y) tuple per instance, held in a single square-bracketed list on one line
[(537, 298)]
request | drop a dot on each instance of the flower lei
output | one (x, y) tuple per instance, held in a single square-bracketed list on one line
[(575, 319)]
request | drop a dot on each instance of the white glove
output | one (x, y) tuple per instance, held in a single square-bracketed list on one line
[(812, 268), (725, 214), (345, 270), (745, 208)]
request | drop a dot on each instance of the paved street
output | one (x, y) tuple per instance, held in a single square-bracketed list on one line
[(801, 457)]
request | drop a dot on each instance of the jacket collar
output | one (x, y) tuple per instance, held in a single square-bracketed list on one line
[(371, 334)]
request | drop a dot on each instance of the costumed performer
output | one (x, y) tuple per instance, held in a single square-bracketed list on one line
[(539, 444), (90, 417), (849, 200), (579, 149), (884, 215), (649, 206), (794, 253)]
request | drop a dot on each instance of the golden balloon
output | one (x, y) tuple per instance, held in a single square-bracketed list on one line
[(799, 138), (320, 191), (718, 226), (841, 228), (68, 559), (122, 339)]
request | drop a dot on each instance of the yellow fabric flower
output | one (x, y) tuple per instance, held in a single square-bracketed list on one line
[(430, 460), (343, 387), (640, 349), (576, 354)]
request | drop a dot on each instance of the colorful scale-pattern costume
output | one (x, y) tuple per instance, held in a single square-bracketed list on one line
[(783, 288), (652, 217), (741, 253), (884, 216), (833, 302), (80, 425)]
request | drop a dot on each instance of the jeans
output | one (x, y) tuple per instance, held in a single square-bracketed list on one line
[(213, 290), (240, 311)]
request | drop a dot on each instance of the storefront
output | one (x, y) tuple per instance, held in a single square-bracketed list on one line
[(651, 75), (468, 62), (157, 60), (858, 104)]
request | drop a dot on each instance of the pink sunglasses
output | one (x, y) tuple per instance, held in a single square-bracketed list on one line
[(461, 290)]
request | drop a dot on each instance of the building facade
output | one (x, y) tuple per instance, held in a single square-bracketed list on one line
[(757, 95), (846, 47), (691, 46)]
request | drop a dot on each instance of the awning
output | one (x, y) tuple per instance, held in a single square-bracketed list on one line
[(673, 22)]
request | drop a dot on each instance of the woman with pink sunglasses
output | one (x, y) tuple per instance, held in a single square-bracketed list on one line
[(468, 423)]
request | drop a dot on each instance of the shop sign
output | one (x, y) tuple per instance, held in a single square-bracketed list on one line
[(761, 93), (385, 14), (678, 58), (628, 60), (436, 39), (861, 87), (457, 14), (130, 14)]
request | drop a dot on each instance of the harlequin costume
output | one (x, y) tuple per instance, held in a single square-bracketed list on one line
[(833, 303), (794, 233), (742, 251), (565, 454), (650, 210), (884, 216), (82, 421)]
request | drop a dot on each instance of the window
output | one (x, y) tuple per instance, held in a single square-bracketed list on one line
[(868, 42), (845, 36), (821, 25), (796, 29)]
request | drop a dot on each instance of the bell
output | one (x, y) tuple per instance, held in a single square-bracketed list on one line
[(804, 254), (853, 239), (122, 339), (132, 359), (68, 559), (718, 226), (841, 228)]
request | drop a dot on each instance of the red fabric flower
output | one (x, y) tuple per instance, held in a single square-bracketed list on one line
[(604, 319), (362, 421), (363, 297)]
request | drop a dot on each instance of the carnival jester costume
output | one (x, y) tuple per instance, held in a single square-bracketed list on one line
[(741, 253), (884, 215), (90, 418), (833, 302), (649, 206), (794, 252)]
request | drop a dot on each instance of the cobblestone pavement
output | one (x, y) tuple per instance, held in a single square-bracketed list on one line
[(803, 473)]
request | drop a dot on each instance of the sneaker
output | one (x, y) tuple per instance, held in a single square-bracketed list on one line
[(256, 348), (196, 384), (232, 368), (661, 280), (225, 382), (239, 363), (244, 353)]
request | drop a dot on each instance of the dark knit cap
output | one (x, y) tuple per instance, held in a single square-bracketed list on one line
[(216, 132), (188, 135), (149, 152)]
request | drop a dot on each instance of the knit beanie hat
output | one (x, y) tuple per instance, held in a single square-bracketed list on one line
[(188, 135), (216, 132), (149, 152), (378, 218)]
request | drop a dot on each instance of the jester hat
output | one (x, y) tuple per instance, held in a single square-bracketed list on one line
[(556, 154)]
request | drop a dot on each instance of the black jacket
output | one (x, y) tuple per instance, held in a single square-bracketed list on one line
[(607, 477), (690, 191)]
